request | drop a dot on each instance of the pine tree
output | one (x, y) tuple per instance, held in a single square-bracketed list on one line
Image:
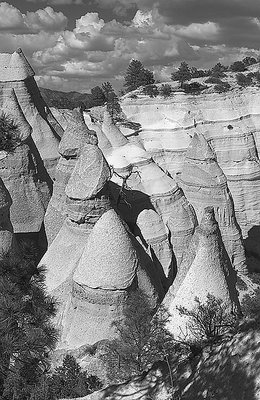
[(113, 105), (136, 76), (182, 74), (26, 333), (97, 97), (143, 339)]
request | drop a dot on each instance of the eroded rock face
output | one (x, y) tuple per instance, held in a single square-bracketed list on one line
[(94, 261), (7, 241), (17, 74), (205, 184), (209, 272), (23, 172), (76, 135), (140, 184), (230, 122)]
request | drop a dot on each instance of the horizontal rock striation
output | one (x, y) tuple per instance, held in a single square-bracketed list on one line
[(205, 184), (209, 273), (17, 74), (76, 135), (94, 261), (23, 172)]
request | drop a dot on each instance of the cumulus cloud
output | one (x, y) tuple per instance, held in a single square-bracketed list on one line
[(11, 19)]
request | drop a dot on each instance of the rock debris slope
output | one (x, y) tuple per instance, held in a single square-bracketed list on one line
[(17, 74), (205, 184)]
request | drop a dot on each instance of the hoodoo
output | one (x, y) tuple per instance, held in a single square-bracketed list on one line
[(7, 241), (16, 73), (139, 184), (23, 172), (92, 263), (210, 272), (76, 135), (205, 184)]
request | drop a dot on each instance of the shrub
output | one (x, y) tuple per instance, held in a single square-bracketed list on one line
[(193, 88), (143, 339), (249, 61), (257, 76), (165, 90), (211, 321), (151, 90), (221, 88), (215, 80), (9, 133), (133, 96), (238, 66), (243, 80)]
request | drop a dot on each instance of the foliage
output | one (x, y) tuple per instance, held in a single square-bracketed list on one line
[(218, 71), (98, 97), (26, 333), (136, 76), (193, 88), (250, 305), (210, 321), (198, 73), (214, 80), (238, 66), (143, 339), (165, 90), (9, 133), (221, 88), (70, 100), (249, 61), (69, 381), (150, 90), (243, 80), (182, 74), (113, 105)]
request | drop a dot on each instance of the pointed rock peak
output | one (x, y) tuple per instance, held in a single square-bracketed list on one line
[(89, 175), (151, 224), (199, 149), (112, 132), (109, 260), (208, 223), (76, 135), (5, 198), (14, 67), (10, 107)]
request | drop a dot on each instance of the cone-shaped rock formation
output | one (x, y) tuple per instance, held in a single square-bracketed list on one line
[(205, 184), (209, 273), (93, 262), (76, 135), (16, 73), (141, 184), (23, 172)]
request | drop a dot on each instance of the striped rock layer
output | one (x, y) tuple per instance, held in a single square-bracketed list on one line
[(17, 74), (75, 136), (23, 172), (94, 261), (205, 184), (209, 273)]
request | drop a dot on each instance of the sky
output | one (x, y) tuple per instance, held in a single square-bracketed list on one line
[(79, 44)]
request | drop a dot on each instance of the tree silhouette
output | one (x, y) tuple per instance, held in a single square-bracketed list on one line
[(136, 76), (182, 74)]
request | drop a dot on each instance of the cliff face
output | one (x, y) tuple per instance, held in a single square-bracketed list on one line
[(230, 123)]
